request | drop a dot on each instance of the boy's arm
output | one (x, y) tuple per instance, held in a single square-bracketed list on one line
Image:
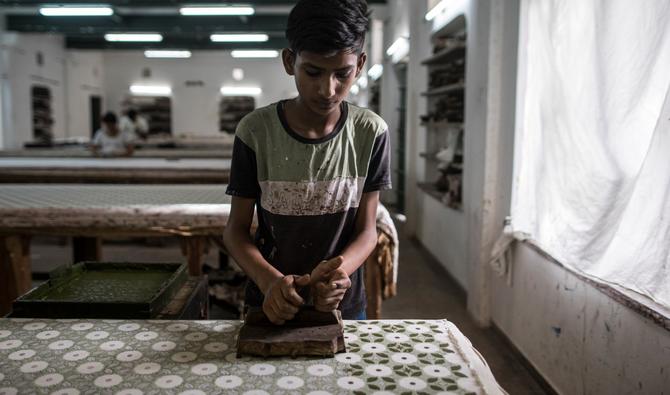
[(281, 298), (365, 237)]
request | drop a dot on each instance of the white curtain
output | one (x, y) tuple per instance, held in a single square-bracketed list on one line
[(592, 158)]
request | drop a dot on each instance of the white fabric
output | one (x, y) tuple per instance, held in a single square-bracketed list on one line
[(111, 145), (592, 161), (136, 128)]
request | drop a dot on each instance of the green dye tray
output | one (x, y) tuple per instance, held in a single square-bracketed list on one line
[(103, 290)]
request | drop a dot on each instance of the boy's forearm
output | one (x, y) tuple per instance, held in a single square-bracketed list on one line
[(247, 255), (359, 249)]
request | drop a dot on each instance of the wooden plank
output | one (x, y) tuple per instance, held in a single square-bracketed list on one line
[(15, 273)]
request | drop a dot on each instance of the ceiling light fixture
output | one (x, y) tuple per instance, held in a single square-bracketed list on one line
[(239, 53), (376, 71), (150, 90), (217, 10), (76, 11), (167, 54), (133, 37), (240, 90), (238, 38)]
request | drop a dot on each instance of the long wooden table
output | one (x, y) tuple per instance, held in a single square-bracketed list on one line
[(89, 212), (140, 152), (114, 170), (128, 357)]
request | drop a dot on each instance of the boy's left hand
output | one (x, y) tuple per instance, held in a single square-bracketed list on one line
[(329, 283)]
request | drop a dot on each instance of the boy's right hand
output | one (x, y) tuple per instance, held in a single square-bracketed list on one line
[(282, 301)]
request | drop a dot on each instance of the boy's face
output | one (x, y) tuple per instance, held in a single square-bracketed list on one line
[(323, 81)]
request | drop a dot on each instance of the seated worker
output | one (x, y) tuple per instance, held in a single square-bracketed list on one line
[(109, 140), (313, 167), (134, 125)]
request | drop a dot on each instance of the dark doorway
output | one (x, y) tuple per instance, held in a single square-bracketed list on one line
[(96, 110)]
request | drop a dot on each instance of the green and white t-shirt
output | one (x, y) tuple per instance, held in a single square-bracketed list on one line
[(308, 191)]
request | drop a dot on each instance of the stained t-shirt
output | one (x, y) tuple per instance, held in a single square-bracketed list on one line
[(308, 191)]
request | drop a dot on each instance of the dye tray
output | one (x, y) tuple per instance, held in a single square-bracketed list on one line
[(103, 290)]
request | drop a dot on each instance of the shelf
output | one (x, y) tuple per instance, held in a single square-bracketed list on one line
[(445, 55), (444, 89), (430, 190)]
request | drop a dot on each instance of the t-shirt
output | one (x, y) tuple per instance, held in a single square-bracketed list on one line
[(308, 191), (136, 128), (111, 145)]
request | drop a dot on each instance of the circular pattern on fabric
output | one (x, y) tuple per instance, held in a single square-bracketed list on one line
[(147, 368), (397, 337), (108, 380), (33, 367), (177, 327), (420, 329), (436, 371), (164, 346), (256, 392), (373, 347), (61, 345), (196, 336), (9, 344), (90, 367), (169, 381), (426, 347), (21, 355), (46, 335), (76, 355), (228, 382), (378, 370), (404, 358), (34, 326), (350, 383), (224, 328), (290, 382), (112, 345), (262, 369), (193, 392), (215, 347), (129, 327), (8, 391), (81, 326), (204, 369), (348, 357), (369, 328), (146, 336), (412, 383), (320, 370), (128, 356), (49, 379), (130, 391), (5, 333), (66, 391), (184, 356), (97, 335)]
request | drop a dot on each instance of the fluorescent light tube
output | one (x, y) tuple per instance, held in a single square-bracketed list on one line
[(435, 11), (176, 54), (240, 90), (254, 53), (376, 71), (76, 11), (133, 37), (213, 10), (238, 38), (151, 90)]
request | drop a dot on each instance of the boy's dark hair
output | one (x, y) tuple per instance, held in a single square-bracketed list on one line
[(326, 26), (109, 117), (132, 114)]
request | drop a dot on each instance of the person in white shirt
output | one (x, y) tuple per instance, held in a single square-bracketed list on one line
[(109, 140), (134, 125)]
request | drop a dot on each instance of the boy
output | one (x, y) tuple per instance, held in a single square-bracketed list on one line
[(109, 140), (313, 166)]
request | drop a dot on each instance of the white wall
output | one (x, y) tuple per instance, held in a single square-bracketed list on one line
[(85, 78), (195, 110), (21, 71)]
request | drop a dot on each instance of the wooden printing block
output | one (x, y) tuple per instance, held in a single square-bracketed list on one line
[(310, 333)]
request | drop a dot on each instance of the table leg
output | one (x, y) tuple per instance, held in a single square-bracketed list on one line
[(15, 273), (373, 286), (86, 249), (194, 248)]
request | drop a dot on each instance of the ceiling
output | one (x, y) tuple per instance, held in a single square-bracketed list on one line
[(156, 16)]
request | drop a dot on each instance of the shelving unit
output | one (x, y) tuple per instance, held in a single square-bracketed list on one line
[(232, 109), (42, 115), (157, 110), (443, 155)]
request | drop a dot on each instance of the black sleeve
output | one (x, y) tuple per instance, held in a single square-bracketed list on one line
[(379, 169), (243, 172)]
